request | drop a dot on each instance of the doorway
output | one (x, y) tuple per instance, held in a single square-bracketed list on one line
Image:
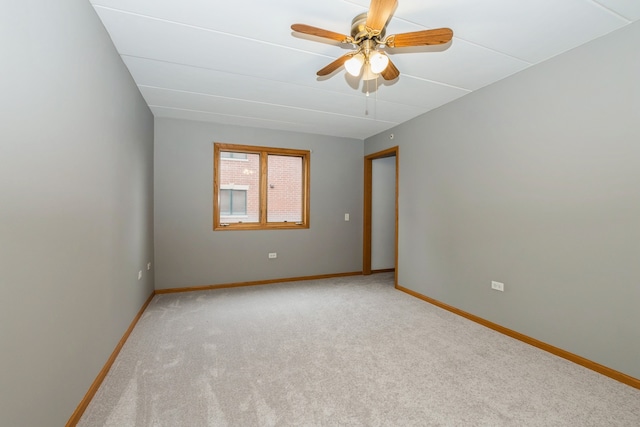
[(369, 206)]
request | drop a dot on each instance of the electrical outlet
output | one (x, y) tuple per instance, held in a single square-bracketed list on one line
[(139, 274), (346, 217), (273, 255), (497, 286)]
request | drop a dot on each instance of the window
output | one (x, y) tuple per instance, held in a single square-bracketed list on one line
[(260, 188)]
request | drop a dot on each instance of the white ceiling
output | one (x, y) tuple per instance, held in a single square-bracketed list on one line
[(238, 62)]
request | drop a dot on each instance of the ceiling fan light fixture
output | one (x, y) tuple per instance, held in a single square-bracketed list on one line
[(368, 38), (378, 62), (354, 64)]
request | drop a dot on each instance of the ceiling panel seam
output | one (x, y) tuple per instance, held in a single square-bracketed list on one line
[(627, 20), (261, 103), (436, 82), (221, 114), (196, 27), (342, 94), (256, 117)]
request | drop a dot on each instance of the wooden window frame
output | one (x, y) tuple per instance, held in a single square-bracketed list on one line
[(263, 152)]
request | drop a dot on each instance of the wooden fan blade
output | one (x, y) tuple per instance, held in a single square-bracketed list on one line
[(319, 32), (420, 38), (391, 72), (334, 65), (379, 13)]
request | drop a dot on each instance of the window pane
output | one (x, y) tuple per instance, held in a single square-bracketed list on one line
[(225, 202), (232, 155), (239, 188), (284, 192), (238, 202)]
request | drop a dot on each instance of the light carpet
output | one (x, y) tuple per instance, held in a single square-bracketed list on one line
[(340, 352)]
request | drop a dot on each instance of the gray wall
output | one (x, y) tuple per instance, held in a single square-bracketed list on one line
[(534, 182), (76, 176), (189, 253), (383, 213)]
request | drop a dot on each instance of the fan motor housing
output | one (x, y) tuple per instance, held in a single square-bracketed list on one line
[(359, 28)]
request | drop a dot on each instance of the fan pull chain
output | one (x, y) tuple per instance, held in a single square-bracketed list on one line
[(366, 99), (375, 101)]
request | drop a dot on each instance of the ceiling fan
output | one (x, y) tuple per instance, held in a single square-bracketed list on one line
[(368, 38)]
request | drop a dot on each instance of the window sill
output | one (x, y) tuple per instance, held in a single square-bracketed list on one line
[(257, 226)]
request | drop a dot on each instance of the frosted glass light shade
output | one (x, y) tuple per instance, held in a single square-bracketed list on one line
[(354, 64), (378, 62)]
